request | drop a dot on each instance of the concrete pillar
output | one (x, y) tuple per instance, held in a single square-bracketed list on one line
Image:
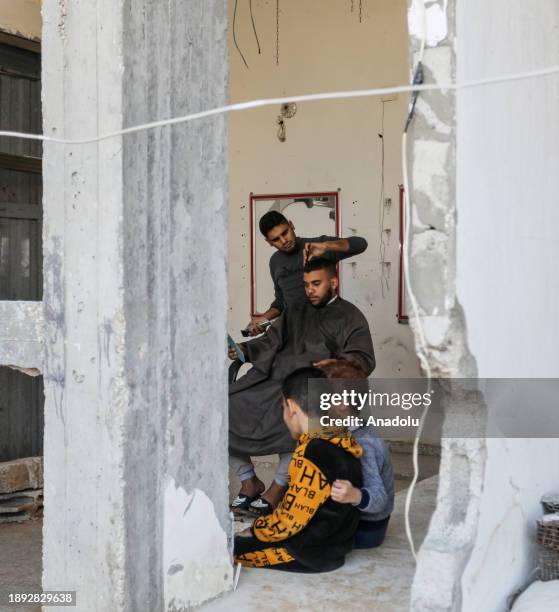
[(432, 165), (135, 305)]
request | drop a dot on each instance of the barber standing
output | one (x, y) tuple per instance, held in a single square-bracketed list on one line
[(286, 265)]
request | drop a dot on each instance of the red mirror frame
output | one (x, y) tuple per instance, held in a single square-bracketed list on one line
[(402, 316)]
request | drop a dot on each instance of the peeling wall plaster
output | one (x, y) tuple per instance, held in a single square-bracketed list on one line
[(134, 319), (507, 160), (176, 304), (499, 261), (196, 558), (432, 151), (86, 395), (429, 184)]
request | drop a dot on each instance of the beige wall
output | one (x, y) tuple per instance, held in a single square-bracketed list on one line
[(330, 145), (21, 17)]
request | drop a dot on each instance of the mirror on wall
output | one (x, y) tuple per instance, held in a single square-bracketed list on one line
[(312, 214)]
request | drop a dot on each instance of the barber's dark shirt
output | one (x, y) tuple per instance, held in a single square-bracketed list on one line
[(286, 269)]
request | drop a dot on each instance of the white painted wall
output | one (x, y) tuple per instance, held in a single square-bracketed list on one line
[(21, 17), (329, 145), (508, 248)]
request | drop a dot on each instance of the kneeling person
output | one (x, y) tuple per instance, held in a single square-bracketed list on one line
[(375, 499), (308, 531)]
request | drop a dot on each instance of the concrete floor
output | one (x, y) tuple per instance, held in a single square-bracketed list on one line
[(374, 581), (20, 560)]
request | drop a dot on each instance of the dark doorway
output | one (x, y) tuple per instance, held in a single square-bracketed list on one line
[(21, 396)]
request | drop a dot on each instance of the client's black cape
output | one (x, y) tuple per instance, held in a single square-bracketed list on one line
[(299, 337)]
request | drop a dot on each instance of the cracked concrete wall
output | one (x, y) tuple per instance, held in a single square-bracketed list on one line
[(489, 156), (134, 306), (86, 395), (432, 167), (508, 181), (175, 282)]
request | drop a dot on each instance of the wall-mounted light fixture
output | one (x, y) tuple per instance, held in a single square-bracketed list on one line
[(287, 111)]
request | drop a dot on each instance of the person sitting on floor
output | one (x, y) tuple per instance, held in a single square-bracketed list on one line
[(308, 531), (375, 498)]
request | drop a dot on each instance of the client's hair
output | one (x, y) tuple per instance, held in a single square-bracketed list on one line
[(270, 220), (296, 387), (345, 368), (321, 264), (349, 370)]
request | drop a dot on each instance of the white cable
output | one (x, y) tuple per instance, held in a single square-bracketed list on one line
[(333, 95), (422, 349), (422, 352)]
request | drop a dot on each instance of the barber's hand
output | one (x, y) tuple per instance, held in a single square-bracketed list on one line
[(245, 533), (324, 362), (313, 250), (252, 327), (232, 353), (345, 493)]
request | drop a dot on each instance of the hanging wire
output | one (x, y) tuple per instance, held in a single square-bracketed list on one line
[(384, 284), (422, 351), (277, 32), (235, 36), (360, 11), (254, 26)]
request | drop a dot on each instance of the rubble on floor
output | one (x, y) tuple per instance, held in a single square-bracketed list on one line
[(21, 490)]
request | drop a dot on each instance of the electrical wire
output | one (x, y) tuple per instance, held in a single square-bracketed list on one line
[(277, 32), (254, 26), (333, 95), (384, 284), (235, 35), (422, 349)]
